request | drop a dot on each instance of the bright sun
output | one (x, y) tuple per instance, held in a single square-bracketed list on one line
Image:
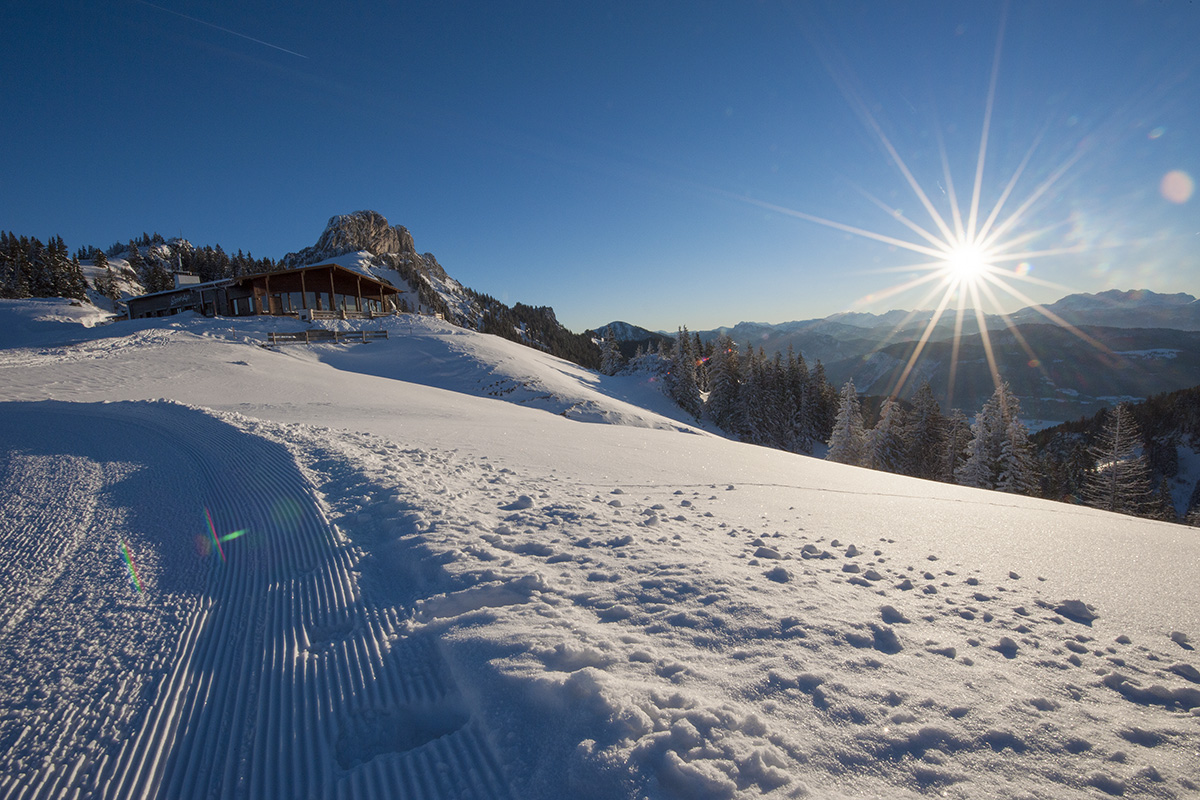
[(973, 252), (967, 263)]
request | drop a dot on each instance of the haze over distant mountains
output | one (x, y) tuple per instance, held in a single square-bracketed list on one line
[(1110, 346)]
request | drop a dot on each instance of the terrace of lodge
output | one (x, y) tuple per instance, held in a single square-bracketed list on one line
[(320, 290)]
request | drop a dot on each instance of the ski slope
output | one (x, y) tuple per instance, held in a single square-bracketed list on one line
[(429, 573)]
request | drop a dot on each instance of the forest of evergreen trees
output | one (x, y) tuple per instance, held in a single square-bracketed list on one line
[(1133, 445), (29, 268), (1123, 459), (154, 259), (1109, 461), (772, 401)]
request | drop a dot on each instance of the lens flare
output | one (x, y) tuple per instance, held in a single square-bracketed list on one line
[(133, 576), (1177, 186), (212, 529)]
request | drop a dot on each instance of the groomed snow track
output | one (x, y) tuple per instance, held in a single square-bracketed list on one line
[(249, 664)]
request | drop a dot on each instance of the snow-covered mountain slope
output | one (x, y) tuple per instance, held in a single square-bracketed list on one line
[(359, 575)]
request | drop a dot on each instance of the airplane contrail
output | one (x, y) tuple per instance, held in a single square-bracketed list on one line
[(226, 30)]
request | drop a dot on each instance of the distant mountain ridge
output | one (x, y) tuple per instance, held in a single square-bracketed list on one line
[(1138, 308), (1150, 343)]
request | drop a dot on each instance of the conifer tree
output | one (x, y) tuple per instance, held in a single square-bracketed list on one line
[(57, 267), (958, 435), (682, 376), (1018, 470), (925, 436), (1162, 505), (752, 396), (796, 387), (16, 281), (847, 443), (77, 283), (723, 403), (134, 257), (761, 416), (1119, 481), (999, 455), (776, 408), (106, 283), (41, 276), (611, 359), (823, 403), (981, 469), (701, 356), (885, 448)]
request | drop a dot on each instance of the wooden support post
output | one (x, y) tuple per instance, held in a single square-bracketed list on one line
[(303, 293)]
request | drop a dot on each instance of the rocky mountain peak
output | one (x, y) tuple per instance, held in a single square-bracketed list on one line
[(352, 233)]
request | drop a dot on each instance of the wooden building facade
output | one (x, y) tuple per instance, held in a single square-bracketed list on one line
[(317, 290)]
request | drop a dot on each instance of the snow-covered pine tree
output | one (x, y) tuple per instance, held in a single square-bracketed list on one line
[(701, 356), (41, 276), (999, 455), (778, 407), (14, 267), (885, 448), (958, 435), (57, 267), (765, 418), (981, 468), (1018, 466), (611, 359), (723, 377), (823, 403), (134, 257), (753, 396), (847, 443), (799, 423), (77, 285), (682, 377), (925, 436), (1119, 481), (157, 278)]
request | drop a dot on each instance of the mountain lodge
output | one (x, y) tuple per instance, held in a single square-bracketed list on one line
[(319, 290)]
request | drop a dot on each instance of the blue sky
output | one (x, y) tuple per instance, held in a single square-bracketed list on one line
[(634, 161)]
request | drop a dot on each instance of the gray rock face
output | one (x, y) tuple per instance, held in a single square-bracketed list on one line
[(351, 233)]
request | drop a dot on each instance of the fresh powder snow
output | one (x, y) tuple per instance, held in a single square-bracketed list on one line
[(443, 565)]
